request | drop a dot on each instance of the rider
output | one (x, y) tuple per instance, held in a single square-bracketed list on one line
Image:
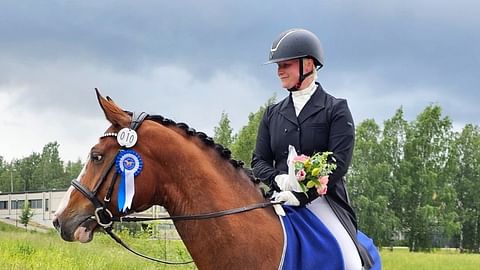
[(312, 121)]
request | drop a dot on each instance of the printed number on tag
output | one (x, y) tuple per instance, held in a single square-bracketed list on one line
[(127, 137)]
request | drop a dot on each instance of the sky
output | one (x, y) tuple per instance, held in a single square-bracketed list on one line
[(192, 60)]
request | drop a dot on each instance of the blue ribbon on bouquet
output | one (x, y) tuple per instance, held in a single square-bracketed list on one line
[(129, 164)]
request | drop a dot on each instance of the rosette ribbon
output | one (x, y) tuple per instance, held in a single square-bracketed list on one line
[(129, 164)]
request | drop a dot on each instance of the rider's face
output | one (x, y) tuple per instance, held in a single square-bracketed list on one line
[(288, 73)]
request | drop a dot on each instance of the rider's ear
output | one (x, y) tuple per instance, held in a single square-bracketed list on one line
[(113, 113)]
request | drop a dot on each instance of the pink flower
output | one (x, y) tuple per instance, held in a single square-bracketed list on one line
[(322, 189), (301, 158), (323, 180), (301, 175)]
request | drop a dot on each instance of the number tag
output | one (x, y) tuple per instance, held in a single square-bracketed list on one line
[(127, 137)]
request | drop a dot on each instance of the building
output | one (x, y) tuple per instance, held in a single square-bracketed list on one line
[(44, 204)]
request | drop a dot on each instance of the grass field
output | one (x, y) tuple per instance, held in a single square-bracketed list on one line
[(439, 260), (31, 250)]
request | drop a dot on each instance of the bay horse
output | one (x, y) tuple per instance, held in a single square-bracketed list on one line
[(187, 173)]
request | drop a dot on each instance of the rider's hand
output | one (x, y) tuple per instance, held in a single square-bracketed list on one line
[(287, 197)]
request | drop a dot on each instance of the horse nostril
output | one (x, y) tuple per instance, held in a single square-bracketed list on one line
[(56, 224)]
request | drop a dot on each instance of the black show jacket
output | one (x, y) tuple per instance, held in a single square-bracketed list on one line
[(324, 124)]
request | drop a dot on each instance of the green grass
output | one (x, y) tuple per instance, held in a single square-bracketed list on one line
[(438, 260), (30, 250)]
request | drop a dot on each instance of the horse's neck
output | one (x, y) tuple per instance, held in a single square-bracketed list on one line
[(200, 181)]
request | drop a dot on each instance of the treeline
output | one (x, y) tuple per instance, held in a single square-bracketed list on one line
[(38, 171), (418, 181), (412, 183)]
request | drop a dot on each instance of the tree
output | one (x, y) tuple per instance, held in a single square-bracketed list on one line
[(393, 150), (9, 179), (428, 205), (72, 169), (223, 133), (464, 168), (26, 168), (244, 143), (4, 179), (26, 214), (370, 186), (38, 171), (50, 172)]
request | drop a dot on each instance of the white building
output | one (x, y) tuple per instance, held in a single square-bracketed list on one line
[(43, 205)]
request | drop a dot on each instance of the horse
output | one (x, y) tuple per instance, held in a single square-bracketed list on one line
[(187, 173)]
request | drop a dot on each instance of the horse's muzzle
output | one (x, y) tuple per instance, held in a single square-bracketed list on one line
[(56, 224), (75, 229)]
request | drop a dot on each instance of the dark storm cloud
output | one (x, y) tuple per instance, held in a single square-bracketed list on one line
[(395, 38), (191, 60)]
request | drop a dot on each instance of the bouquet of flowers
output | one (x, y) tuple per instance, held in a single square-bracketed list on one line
[(313, 171)]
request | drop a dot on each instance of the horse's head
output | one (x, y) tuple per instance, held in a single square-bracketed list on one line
[(92, 198)]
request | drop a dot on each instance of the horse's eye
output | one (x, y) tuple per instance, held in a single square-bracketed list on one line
[(95, 157)]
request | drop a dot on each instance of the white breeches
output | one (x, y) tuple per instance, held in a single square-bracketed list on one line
[(324, 212)]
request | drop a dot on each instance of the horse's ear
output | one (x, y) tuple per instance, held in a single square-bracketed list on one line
[(113, 113), (109, 99)]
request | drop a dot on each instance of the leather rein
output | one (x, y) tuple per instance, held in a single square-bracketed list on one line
[(105, 218)]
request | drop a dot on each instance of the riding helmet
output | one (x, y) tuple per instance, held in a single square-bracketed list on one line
[(296, 43)]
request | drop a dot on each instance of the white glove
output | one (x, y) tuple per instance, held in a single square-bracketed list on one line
[(283, 182), (287, 197)]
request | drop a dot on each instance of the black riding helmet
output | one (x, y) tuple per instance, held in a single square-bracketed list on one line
[(297, 43)]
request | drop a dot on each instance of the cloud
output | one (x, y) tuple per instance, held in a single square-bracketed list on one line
[(65, 109), (191, 60), (374, 97)]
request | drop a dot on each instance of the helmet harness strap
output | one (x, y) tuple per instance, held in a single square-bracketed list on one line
[(301, 77)]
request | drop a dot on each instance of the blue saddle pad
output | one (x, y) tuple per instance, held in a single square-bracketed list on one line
[(310, 245), (367, 243)]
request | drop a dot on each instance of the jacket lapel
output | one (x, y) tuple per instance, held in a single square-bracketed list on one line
[(313, 106), (288, 111)]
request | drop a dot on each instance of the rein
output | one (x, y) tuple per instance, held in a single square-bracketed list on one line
[(179, 218), (200, 216), (105, 218)]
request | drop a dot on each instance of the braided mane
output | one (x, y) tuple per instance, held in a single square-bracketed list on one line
[(220, 149)]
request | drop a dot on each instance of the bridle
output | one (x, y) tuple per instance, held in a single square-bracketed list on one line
[(105, 218)]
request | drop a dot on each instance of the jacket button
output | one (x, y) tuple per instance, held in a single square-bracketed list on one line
[(298, 129), (286, 130)]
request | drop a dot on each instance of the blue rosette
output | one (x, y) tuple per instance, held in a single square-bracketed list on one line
[(128, 164)]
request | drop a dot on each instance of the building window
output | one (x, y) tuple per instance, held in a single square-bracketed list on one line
[(35, 204), (3, 205), (46, 205), (17, 204)]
